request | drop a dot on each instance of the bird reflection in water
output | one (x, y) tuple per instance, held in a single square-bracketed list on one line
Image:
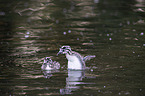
[(49, 73), (73, 79)]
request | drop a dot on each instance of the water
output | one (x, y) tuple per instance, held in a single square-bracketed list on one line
[(112, 30)]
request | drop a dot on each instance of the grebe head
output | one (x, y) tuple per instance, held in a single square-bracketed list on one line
[(64, 50), (47, 60)]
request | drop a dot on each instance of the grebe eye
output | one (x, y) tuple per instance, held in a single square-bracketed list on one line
[(63, 47), (47, 58)]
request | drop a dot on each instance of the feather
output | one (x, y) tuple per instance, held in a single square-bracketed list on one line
[(89, 57)]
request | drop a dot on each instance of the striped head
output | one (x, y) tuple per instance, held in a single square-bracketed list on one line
[(47, 60), (64, 50)]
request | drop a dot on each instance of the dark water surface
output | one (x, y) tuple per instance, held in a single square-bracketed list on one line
[(113, 30)]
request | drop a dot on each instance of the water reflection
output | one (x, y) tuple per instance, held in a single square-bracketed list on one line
[(72, 81), (49, 73)]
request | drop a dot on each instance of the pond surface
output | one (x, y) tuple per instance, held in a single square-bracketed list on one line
[(111, 30)]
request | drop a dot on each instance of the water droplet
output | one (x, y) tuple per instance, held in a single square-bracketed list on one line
[(142, 33), (69, 31), (140, 89), (28, 33), (110, 39), (91, 69), (64, 33)]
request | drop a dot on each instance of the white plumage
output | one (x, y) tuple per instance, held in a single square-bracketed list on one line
[(75, 60), (49, 64)]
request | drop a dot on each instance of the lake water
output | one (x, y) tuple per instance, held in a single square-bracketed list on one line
[(114, 31)]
